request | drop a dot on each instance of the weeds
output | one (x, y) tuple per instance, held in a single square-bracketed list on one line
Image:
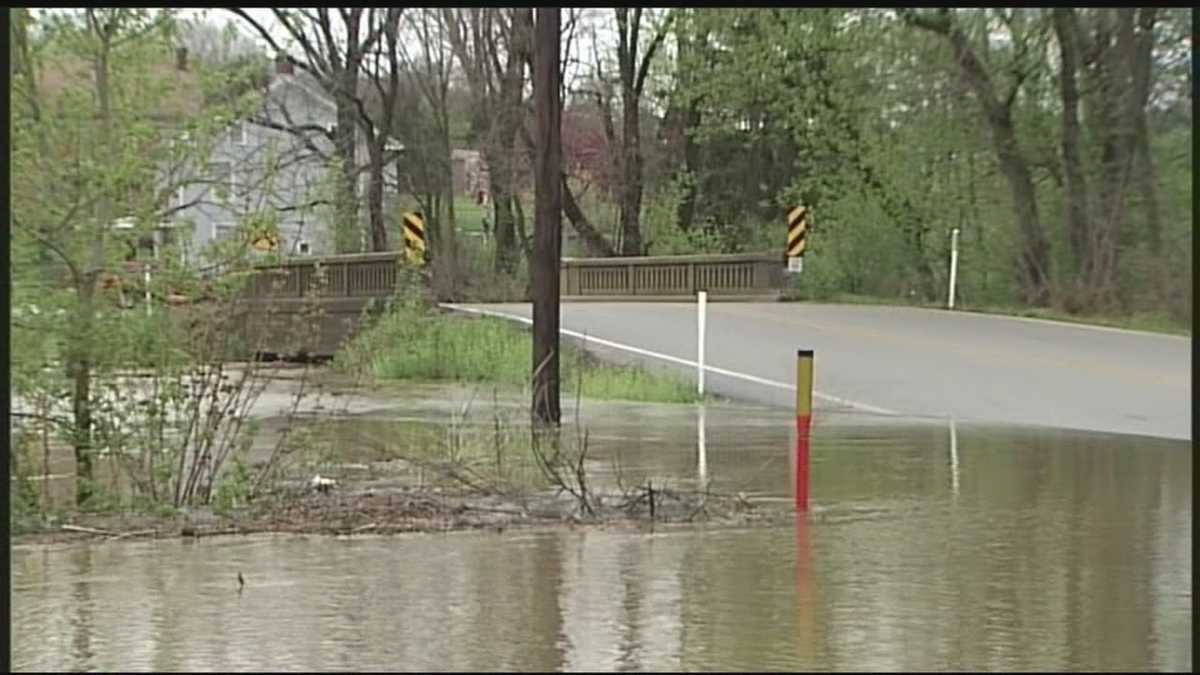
[(415, 343)]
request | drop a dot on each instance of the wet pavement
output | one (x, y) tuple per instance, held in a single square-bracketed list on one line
[(931, 545)]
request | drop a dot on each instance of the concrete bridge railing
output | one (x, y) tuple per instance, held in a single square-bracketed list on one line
[(648, 277), (349, 288), (750, 275), (343, 276)]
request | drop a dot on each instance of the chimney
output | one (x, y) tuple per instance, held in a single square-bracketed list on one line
[(181, 58), (283, 65)]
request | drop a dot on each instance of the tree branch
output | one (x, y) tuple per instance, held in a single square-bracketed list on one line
[(659, 36)]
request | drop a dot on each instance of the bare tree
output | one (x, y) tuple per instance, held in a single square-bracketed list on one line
[(382, 69), (429, 72), (633, 71), (215, 45), (1114, 61), (492, 47), (335, 43)]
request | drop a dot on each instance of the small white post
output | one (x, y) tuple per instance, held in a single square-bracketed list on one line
[(702, 450), (953, 267), (701, 309), (954, 457), (146, 277)]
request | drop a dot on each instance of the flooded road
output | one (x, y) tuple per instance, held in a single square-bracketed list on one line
[(931, 546)]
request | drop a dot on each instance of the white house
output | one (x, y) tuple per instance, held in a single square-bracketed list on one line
[(278, 160)]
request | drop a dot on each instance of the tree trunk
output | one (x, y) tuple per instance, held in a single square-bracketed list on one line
[(80, 359), (446, 258), (547, 249), (523, 239), (631, 175), (1034, 259), (1076, 183), (379, 241), (686, 46), (1147, 183), (500, 171), (508, 119), (1114, 128), (595, 242), (346, 192), (79, 369), (686, 212)]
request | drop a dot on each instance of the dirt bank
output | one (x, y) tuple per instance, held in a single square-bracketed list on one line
[(350, 512)]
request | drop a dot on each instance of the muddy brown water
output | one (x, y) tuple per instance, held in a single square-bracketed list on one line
[(930, 546)]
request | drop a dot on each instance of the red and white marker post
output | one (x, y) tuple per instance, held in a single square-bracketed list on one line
[(804, 380)]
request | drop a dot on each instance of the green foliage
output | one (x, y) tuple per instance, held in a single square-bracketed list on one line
[(661, 229), (414, 343), (97, 163), (869, 122)]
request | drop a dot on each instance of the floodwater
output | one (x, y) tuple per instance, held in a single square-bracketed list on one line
[(930, 546)]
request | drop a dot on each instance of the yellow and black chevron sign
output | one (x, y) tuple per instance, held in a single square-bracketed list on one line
[(797, 221), (414, 237)]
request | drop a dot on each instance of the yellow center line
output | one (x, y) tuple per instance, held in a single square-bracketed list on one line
[(992, 356)]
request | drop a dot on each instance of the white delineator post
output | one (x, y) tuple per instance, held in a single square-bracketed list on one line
[(954, 457), (146, 278), (953, 267), (701, 309)]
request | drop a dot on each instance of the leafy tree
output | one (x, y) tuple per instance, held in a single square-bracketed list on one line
[(99, 119)]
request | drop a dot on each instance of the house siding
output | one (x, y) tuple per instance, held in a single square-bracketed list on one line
[(296, 182)]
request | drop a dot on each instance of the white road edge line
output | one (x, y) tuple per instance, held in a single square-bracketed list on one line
[(673, 359)]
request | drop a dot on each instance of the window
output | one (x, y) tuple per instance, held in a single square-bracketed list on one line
[(224, 231), (304, 247)]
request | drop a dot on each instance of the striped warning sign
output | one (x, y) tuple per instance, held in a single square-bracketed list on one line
[(414, 237), (266, 242), (797, 221)]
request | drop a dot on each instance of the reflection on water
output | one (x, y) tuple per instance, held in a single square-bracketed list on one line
[(931, 547)]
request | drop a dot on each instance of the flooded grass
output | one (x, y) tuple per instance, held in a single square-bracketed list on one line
[(413, 344)]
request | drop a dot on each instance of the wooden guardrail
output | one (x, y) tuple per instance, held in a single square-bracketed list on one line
[(651, 277)]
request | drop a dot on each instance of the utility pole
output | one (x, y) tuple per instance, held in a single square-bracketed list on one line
[(547, 227)]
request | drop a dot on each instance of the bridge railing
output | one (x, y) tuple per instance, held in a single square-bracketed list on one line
[(657, 276), (374, 274), (339, 276)]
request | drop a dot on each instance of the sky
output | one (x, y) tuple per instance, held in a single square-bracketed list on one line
[(597, 20)]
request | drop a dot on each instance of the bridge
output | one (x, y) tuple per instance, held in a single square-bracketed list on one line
[(339, 292), (916, 363)]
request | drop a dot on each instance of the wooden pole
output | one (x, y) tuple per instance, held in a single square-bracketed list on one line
[(547, 237)]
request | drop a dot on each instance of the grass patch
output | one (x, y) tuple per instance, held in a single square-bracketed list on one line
[(468, 215), (412, 343)]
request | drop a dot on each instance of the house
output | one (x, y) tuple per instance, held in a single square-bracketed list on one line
[(276, 160)]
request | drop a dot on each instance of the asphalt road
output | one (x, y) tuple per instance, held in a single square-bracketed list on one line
[(914, 362)]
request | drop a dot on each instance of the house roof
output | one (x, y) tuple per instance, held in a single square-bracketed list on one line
[(304, 80)]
